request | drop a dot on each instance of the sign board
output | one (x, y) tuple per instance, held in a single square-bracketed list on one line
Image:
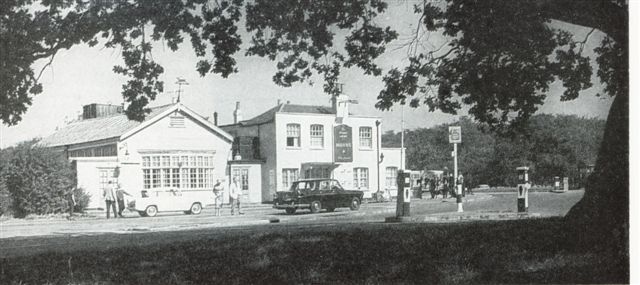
[(343, 144), (455, 134)]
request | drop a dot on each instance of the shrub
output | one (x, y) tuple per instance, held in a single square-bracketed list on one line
[(37, 178), (82, 200)]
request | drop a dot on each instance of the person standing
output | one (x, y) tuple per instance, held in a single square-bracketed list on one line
[(218, 191), (109, 198), (71, 198), (120, 197), (234, 196)]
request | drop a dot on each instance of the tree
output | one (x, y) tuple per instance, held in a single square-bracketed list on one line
[(500, 60)]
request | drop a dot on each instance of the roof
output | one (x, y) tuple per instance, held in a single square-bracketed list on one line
[(269, 115), (97, 129), (116, 127)]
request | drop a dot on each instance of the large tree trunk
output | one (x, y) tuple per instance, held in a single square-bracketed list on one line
[(601, 219)]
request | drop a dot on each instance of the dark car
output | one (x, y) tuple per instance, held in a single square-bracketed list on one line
[(317, 194)]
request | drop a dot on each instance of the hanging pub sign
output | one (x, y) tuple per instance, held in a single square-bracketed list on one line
[(343, 144)]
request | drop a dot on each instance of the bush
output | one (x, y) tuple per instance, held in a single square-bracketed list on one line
[(37, 178), (5, 202), (82, 200)]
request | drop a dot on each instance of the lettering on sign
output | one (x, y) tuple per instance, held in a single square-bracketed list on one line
[(343, 146), (455, 134)]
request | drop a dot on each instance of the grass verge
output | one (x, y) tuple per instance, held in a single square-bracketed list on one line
[(527, 251)]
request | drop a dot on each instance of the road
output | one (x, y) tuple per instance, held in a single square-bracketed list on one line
[(18, 237)]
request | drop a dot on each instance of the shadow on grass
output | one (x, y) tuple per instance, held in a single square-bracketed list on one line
[(528, 251)]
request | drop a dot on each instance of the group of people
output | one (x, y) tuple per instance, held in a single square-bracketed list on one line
[(443, 186), (114, 193), (234, 196)]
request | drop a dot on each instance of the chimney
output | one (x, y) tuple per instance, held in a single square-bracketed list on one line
[(215, 118), (342, 106), (237, 114), (279, 102)]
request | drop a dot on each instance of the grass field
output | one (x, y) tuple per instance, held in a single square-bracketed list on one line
[(526, 251)]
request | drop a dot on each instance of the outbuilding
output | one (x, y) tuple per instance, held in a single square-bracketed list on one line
[(173, 148)]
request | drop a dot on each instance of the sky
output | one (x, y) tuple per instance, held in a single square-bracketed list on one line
[(83, 75)]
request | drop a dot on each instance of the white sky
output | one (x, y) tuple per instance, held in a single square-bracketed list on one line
[(83, 75)]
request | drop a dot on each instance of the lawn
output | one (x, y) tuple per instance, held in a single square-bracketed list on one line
[(524, 251)]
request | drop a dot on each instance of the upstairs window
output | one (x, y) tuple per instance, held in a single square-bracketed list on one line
[(365, 137), (293, 135), (317, 136)]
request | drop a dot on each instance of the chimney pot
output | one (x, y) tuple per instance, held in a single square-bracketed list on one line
[(237, 114), (215, 118), (279, 102)]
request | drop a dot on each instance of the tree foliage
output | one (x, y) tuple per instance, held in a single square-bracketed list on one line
[(299, 35), (37, 179), (553, 146)]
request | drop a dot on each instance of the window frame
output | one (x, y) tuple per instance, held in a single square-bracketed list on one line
[(364, 141), (296, 140), (317, 136)]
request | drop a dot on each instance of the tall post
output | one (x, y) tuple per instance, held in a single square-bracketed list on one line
[(402, 138), (455, 137)]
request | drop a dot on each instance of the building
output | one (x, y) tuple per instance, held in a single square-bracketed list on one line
[(289, 142), (173, 148)]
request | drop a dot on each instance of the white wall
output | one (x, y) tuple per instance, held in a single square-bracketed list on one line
[(161, 137), (293, 157), (89, 177)]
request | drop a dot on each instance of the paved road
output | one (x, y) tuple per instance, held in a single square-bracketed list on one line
[(18, 237), (546, 204)]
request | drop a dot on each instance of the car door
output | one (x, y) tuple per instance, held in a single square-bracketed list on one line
[(340, 197)]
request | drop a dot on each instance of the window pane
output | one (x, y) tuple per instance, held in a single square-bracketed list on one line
[(293, 135)]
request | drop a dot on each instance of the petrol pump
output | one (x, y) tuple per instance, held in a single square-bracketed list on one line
[(403, 206), (523, 189)]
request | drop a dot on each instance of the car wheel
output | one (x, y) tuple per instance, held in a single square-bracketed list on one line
[(151, 211), (142, 213), (290, 211), (316, 206), (355, 204), (196, 209), (331, 209)]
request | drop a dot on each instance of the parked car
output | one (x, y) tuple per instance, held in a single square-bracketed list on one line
[(165, 201), (317, 194)]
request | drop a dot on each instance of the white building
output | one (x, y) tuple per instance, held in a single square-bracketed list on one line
[(172, 148), (289, 142)]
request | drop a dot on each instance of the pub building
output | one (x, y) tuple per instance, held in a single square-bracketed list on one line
[(290, 142)]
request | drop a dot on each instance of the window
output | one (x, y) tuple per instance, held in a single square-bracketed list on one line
[(391, 173), (293, 135), (243, 177), (317, 136), (177, 171), (289, 175), (365, 137), (361, 178)]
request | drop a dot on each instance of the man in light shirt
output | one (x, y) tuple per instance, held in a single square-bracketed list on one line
[(234, 196)]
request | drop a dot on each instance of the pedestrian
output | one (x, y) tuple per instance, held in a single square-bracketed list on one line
[(432, 188), (120, 197), (71, 198), (234, 196), (218, 191), (445, 187), (109, 198)]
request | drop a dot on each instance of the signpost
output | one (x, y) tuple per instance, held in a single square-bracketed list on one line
[(455, 137)]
